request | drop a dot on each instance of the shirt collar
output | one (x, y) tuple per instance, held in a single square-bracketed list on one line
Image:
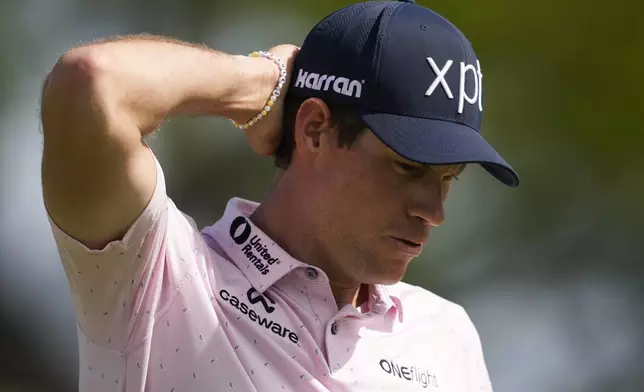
[(262, 261), (381, 301), (259, 258)]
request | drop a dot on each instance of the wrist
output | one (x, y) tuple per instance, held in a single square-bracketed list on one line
[(255, 82), (269, 103)]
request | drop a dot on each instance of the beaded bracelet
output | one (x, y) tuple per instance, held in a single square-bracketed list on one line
[(276, 92)]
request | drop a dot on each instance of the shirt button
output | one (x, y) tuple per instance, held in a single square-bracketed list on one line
[(334, 328), (311, 273)]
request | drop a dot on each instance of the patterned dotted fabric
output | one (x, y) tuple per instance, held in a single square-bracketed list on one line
[(171, 308)]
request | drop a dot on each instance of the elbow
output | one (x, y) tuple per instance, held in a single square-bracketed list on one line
[(84, 61), (71, 89), (74, 73)]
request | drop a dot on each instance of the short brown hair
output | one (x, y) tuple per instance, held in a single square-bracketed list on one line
[(349, 123)]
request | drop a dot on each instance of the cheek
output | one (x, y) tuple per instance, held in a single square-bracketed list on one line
[(365, 200)]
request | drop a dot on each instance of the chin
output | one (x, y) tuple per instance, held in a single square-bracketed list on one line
[(390, 280), (390, 272)]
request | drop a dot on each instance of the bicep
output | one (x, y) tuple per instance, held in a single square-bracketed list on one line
[(97, 173)]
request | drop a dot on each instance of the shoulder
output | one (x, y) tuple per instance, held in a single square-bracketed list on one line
[(421, 299), (422, 305)]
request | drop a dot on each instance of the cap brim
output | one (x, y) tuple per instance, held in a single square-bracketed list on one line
[(438, 142)]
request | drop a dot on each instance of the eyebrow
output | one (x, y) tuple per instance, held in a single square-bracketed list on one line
[(453, 169), (459, 167)]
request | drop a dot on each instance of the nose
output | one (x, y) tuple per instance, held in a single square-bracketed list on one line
[(428, 205)]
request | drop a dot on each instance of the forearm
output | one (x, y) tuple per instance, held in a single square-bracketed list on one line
[(145, 79)]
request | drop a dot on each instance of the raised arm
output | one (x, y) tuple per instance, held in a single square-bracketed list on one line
[(101, 99)]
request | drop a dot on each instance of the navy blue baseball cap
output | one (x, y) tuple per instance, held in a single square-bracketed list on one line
[(410, 73)]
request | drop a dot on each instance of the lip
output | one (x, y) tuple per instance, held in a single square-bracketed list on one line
[(408, 247)]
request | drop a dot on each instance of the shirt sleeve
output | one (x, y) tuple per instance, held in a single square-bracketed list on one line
[(109, 286), (479, 378)]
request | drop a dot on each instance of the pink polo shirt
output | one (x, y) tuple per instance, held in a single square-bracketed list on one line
[(173, 309)]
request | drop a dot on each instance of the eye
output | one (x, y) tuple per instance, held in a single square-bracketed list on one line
[(451, 177), (412, 170)]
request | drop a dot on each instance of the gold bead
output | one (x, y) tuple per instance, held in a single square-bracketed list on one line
[(270, 103), (264, 112), (254, 54)]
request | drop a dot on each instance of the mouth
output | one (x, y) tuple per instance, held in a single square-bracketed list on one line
[(409, 242), (408, 247)]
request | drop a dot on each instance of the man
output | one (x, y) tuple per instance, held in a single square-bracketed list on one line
[(302, 292)]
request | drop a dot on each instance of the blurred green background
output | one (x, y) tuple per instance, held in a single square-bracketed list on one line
[(551, 273)]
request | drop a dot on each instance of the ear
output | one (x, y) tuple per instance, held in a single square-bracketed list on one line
[(313, 133)]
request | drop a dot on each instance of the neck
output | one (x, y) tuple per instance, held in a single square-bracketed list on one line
[(282, 205)]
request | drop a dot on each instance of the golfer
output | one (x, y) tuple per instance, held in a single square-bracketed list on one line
[(370, 122)]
